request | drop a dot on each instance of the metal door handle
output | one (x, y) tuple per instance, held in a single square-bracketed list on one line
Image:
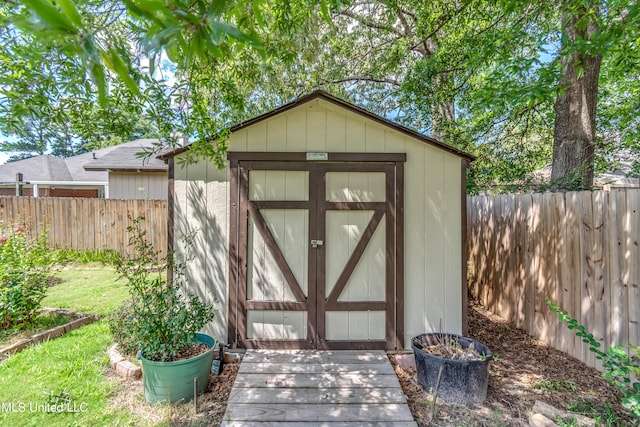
[(316, 243)]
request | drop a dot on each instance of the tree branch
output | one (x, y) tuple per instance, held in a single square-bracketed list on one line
[(370, 23), (364, 78)]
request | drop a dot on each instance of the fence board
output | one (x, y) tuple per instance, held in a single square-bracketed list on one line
[(87, 224), (579, 249), (633, 249)]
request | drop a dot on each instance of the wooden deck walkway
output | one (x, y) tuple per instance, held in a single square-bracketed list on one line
[(304, 387)]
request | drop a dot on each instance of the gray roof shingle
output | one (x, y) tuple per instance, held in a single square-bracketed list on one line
[(125, 157), (86, 167)]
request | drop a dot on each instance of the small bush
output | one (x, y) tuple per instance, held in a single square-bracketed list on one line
[(164, 320), (121, 322), (621, 365), (25, 267)]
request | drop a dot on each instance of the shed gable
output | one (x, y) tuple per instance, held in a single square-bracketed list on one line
[(321, 126)]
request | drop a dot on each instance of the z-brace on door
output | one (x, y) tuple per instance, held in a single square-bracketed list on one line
[(316, 252)]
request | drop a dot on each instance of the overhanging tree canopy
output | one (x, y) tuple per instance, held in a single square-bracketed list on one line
[(484, 76)]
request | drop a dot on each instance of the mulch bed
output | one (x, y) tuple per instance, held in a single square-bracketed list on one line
[(525, 370)]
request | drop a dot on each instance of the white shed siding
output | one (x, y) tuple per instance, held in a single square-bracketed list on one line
[(131, 185), (432, 208), (201, 214)]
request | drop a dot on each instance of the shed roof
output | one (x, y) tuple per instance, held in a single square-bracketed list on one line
[(321, 94)]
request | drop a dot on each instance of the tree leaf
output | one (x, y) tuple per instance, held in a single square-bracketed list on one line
[(50, 15), (236, 34), (69, 9), (97, 73), (118, 65)]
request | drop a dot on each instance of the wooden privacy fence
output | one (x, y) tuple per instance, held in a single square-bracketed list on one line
[(87, 224), (580, 250)]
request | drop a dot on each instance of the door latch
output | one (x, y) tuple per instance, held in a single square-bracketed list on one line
[(316, 243)]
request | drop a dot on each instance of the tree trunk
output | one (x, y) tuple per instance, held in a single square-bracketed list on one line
[(575, 111), (442, 114)]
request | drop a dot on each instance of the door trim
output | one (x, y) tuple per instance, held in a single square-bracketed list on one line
[(240, 207)]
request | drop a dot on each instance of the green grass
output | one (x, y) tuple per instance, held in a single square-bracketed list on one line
[(100, 256), (94, 291), (70, 367)]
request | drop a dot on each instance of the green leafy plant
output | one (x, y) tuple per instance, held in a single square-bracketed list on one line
[(163, 320), (601, 411), (554, 386), (25, 268), (120, 321), (621, 365)]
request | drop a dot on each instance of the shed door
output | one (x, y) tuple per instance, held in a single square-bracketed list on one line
[(316, 255)]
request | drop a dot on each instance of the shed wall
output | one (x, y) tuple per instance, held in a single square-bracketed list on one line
[(432, 209), (133, 186)]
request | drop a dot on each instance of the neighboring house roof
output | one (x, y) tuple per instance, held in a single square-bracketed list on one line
[(125, 157), (86, 168), (614, 178), (337, 101), (39, 168)]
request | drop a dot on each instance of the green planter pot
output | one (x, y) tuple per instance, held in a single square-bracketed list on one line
[(173, 381)]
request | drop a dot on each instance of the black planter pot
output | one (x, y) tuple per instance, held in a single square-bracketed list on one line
[(463, 382)]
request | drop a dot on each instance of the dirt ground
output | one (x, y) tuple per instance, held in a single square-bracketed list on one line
[(210, 406), (523, 371)]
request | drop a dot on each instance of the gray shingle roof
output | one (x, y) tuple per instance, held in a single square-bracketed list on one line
[(87, 167), (40, 168), (125, 157)]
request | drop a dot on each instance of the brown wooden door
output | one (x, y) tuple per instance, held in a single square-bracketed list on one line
[(314, 255)]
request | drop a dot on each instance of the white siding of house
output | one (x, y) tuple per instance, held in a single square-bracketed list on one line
[(432, 210), (131, 185)]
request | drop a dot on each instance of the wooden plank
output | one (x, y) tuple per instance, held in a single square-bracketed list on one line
[(228, 423), (559, 216), (601, 287), (509, 246), (539, 278), (314, 396), (618, 331), (480, 265), (522, 208), (620, 270), (317, 368), (530, 262), (574, 273), (316, 380), (587, 285), (308, 356), (549, 245), (633, 247), (360, 413)]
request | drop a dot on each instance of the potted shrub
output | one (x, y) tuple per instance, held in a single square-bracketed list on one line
[(163, 322), (453, 367)]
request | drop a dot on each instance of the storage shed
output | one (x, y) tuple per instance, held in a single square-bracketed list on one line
[(329, 228)]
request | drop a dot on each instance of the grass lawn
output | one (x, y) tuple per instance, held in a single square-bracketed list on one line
[(70, 368), (86, 290)]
